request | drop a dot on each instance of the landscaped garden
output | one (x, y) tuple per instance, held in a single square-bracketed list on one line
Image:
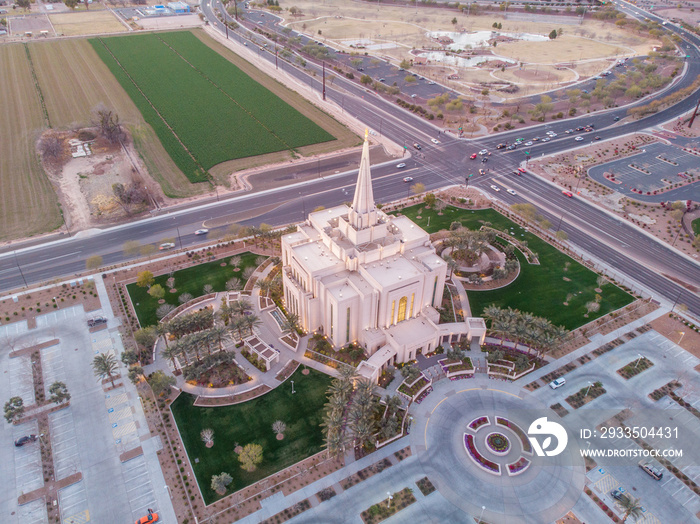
[(387, 507), (498, 443), (559, 288), (191, 283), (252, 422)]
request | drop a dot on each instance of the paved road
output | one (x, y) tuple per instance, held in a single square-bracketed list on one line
[(621, 246)]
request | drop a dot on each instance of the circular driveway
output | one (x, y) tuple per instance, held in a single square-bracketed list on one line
[(544, 492)]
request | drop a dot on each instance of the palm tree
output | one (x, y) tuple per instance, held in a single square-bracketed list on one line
[(631, 507), (347, 373), (104, 365), (240, 307), (171, 352), (251, 321), (220, 334), (162, 329), (291, 322), (392, 404), (263, 284)]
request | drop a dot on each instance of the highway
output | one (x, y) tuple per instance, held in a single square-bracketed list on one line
[(621, 246)]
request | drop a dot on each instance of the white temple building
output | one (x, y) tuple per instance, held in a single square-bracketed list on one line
[(359, 275)]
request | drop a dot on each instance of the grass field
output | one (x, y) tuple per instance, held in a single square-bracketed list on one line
[(74, 80), (86, 23), (214, 111), (191, 280), (695, 224), (28, 203), (251, 422), (540, 289)]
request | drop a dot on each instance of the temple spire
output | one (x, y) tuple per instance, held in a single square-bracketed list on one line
[(363, 212)]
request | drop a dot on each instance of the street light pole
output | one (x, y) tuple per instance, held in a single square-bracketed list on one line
[(589, 388), (179, 238), (482, 513), (20, 269), (637, 363), (293, 387)]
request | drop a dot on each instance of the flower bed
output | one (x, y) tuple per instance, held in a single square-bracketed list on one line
[(664, 390), (635, 368), (422, 396), (585, 395), (518, 467), (260, 364), (478, 422), (480, 460), (411, 390), (425, 486), (463, 375), (527, 447), (498, 442), (388, 507)]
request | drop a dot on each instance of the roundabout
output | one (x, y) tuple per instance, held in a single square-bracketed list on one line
[(474, 444)]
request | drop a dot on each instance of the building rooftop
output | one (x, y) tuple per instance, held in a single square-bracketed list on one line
[(409, 231), (411, 331), (392, 270), (315, 256)]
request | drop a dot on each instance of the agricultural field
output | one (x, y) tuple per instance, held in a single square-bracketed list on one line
[(28, 203), (204, 109), (86, 23), (74, 81)]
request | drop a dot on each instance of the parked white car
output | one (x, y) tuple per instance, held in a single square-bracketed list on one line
[(554, 384)]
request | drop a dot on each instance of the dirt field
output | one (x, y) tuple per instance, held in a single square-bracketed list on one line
[(28, 204), (170, 22), (86, 23), (566, 48), (74, 81)]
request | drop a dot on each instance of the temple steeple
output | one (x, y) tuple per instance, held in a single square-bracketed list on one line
[(363, 212)]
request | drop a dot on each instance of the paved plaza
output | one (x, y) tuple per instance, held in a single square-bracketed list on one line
[(653, 168)]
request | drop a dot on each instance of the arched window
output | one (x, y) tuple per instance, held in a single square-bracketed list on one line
[(402, 309)]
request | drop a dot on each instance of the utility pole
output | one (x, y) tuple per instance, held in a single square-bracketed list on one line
[(275, 56), (20, 269), (324, 80)]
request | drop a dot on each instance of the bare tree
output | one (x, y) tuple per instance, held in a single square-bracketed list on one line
[(51, 147), (108, 123), (207, 436), (129, 196)]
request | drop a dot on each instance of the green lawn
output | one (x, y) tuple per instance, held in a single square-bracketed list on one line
[(251, 422), (191, 280), (696, 226), (539, 289), (194, 97)]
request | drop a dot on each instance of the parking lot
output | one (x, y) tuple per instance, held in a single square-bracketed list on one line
[(90, 437), (654, 168), (667, 500)]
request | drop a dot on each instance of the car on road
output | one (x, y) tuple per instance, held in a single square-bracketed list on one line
[(567, 193), (484, 160), (528, 143), (259, 23), (511, 191), (473, 156), (546, 139), (25, 440), (495, 188), (416, 145), (431, 83), (148, 519), (518, 140), (557, 383), (500, 146), (596, 137), (413, 95), (580, 128), (616, 494), (551, 134), (591, 126), (202, 231), (434, 140), (166, 245), (482, 172), (401, 165), (569, 131), (650, 470), (521, 169), (484, 152), (536, 139), (616, 119), (578, 138), (408, 179), (516, 173)]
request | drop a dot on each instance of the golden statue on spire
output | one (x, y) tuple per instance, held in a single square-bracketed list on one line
[(366, 133)]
